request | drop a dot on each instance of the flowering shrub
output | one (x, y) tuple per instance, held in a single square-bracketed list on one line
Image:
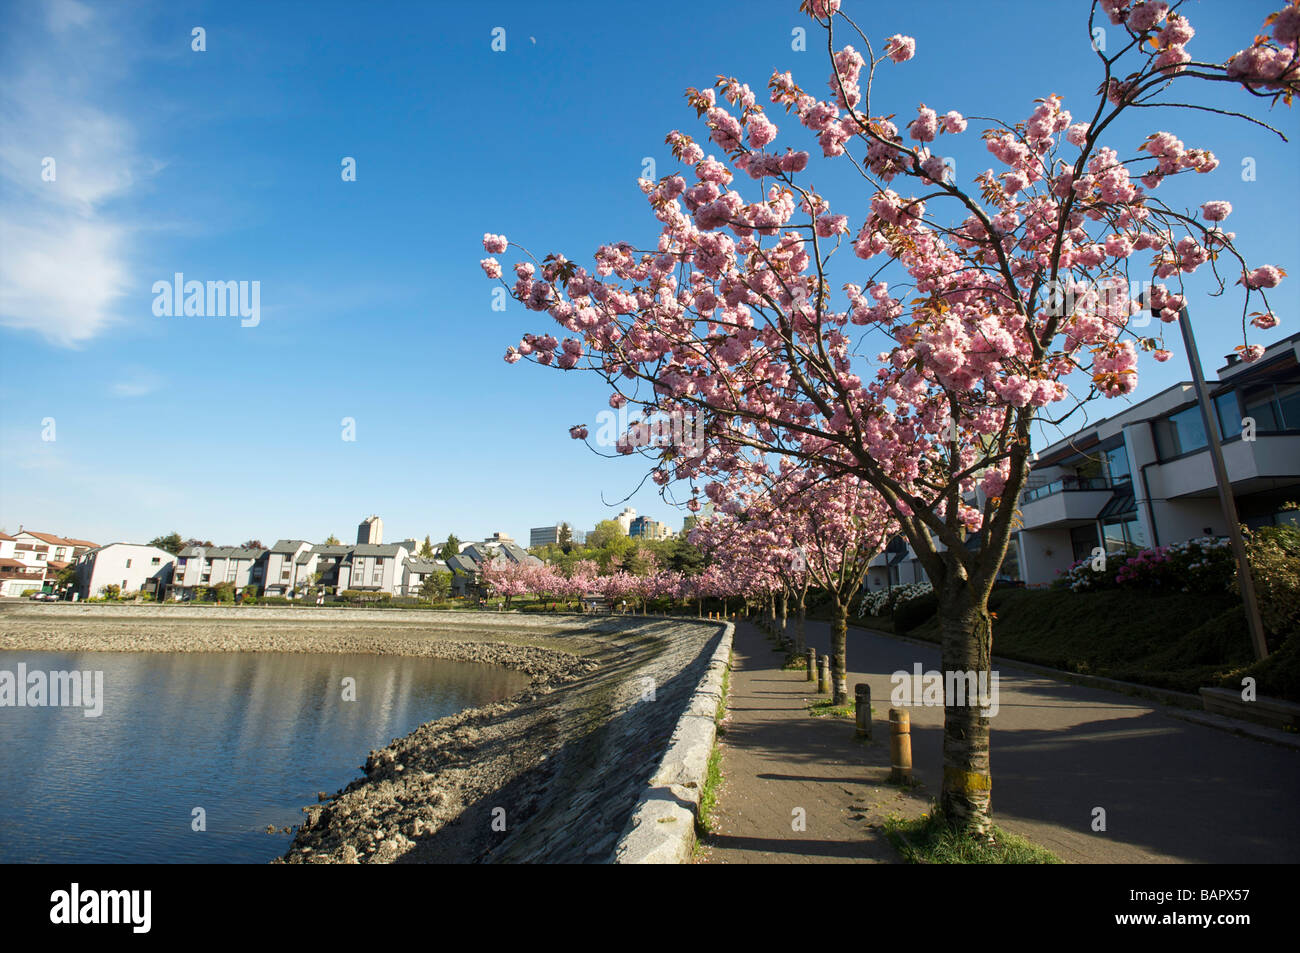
[(882, 601), (1275, 568), (1204, 563)]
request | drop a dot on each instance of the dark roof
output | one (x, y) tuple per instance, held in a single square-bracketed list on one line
[(288, 545), (462, 563), (377, 549), (222, 552), (426, 565)]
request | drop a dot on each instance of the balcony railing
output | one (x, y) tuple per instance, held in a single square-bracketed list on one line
[(1065, 484)]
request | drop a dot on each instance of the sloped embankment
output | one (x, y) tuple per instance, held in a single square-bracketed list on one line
[(550, 775)]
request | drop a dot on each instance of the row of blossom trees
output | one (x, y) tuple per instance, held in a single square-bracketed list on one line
[(584, 580), (963, 311)]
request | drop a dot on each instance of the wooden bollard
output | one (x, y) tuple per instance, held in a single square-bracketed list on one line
[(862, 709), (812, 665), (900, 745), (824, 675)]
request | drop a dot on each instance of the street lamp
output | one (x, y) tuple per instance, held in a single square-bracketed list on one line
[(1226, 501)]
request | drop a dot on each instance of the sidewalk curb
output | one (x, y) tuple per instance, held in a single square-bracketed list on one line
[(662, 828), (1246, 729)]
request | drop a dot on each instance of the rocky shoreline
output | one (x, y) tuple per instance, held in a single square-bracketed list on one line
[(551, 774)]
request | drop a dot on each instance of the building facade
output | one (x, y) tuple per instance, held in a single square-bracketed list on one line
[(1144, 477), (643, 527), (132, 567), (203, 567), (371, 531)]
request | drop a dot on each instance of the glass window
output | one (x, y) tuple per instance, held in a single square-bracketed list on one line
[(1260, 405), (1089, 468), (1083, 540), (1117, 464), (1180, 433), (1288, 406), (1122, 534), (1114, 536), (1229, 413)]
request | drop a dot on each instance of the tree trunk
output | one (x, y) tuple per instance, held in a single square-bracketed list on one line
[(785, 616), (699, 607), (839, 654), (967, 646), (800, 642)]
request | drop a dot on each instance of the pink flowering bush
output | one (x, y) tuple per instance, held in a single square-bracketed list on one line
[(1197, 565)]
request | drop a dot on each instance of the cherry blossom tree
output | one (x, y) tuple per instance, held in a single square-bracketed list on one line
[(828, 528), (973, 309), (505, 578)]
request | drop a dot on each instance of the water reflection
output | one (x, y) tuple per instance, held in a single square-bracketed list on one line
[(247, 737)]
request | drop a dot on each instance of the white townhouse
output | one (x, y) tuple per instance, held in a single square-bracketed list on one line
[(132, 567), (16, 576), (208, 566), (325, 565), (416, 571), (1143, 477), (45, 549), (376, 567), (280, 577)]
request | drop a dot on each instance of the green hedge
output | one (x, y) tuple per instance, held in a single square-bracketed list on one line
[(912, 613)]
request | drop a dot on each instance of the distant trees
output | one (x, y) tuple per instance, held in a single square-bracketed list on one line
[(451, 547), (332, 540), (252, 544), (67, 576), (606, 531), (436, 586), (426, 549), (565, 538), (172, 543)]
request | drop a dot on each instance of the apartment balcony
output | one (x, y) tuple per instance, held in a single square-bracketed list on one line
[(1270, 460), (1067, 501)]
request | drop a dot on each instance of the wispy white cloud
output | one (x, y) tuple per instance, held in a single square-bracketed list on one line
[(63, 161)]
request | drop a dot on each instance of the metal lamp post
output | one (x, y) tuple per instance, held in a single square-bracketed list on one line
[(1226, 501)]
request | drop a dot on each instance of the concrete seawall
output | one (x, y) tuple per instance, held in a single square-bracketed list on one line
[(613, 720), (662, 828)]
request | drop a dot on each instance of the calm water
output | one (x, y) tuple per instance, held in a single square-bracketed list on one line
[(248, 737)]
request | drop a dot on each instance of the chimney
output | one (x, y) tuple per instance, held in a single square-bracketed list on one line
[(1233, 358)]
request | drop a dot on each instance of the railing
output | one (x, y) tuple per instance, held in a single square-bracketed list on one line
[(1064, 484)]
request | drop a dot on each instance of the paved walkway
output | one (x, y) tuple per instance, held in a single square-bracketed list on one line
[(1172, 791), (778, 760)]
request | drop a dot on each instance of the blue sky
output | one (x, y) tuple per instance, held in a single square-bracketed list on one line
[(225, 165)]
